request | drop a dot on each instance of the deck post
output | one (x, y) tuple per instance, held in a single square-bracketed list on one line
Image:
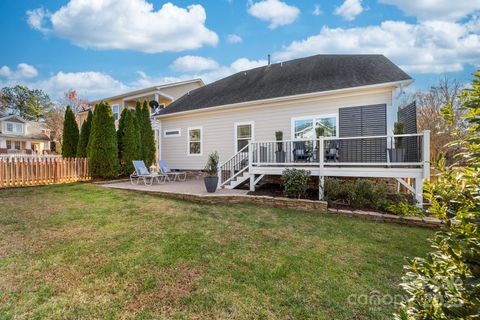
[(426, 154), (419, 192), (250, 166), (321, 178)]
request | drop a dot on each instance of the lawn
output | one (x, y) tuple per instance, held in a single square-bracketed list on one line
[(82, 251)]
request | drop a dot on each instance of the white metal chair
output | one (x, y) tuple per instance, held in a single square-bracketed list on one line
[(177, 175), (141, 172)]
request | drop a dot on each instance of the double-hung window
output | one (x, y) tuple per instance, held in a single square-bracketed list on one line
[(9, 127), (307, 127), (195, 141), (243, 133), (116, 110)]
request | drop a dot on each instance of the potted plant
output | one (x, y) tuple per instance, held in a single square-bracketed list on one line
[(279, 154), (211, 168), (397, 153)]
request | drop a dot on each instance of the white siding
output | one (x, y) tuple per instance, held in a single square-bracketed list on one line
[(218, 126)]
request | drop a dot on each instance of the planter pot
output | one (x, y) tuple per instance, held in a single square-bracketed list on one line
[(280, 156), (397, 155), (211, 183)]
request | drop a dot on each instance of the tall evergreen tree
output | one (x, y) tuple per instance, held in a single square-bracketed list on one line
[(130, 143), (147, 136), (102, 148), (84, 136), (121, 132), (70, 134), (138, 123)]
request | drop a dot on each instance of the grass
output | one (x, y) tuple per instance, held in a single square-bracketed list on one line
[(81, 251)]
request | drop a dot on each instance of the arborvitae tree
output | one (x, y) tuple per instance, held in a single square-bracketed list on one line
[(147, 136), (102, 149), (120, 133), (130, 143), (138, 123), (70, 134), (84, 136)]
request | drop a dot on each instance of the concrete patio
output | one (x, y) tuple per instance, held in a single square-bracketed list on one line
[(189, 187)]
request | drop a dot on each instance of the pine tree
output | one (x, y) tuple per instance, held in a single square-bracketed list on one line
[(138, 123), (130, 143), (120, 133), (84, 136), (102, 148), (147, 136), (70, 134)]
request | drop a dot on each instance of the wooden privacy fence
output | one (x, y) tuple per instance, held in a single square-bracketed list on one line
[(32, 171)]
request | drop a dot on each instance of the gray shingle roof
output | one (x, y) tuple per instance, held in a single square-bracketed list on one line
[(306, 75)]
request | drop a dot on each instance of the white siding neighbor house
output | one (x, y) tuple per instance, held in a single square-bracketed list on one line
[(336, 114), (18, 135)]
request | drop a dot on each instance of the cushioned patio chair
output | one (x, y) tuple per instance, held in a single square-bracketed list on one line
[(177, 175), (141, 172)]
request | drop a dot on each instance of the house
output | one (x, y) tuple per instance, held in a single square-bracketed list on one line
[(347, 96), (163, 95), (18, 135)]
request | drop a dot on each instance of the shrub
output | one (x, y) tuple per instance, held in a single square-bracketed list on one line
[(102, 147), (445, 284), (295, 182), (128, 148), (362, 193), (403, 208), (211, 168), (84, 136), (147, 138), (70, 134)]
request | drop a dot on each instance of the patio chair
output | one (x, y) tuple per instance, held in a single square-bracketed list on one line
[(141, 172), (301, 153), (165, 169)]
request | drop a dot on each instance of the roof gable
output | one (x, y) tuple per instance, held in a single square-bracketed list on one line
[(301, 76), (13, 118)]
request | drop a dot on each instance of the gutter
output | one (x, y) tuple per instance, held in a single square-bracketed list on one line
[(291, 97)]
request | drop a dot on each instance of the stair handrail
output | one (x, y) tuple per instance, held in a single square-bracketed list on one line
[(222, 167)]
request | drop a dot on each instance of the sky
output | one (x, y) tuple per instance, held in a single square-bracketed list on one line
[(105, 47)]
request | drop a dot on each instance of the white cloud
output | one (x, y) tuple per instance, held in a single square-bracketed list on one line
[(89, 84), (276, 12), (193, 63), (436, 10), (428, 47), (23, 71), (126, 24), (317, 10), (350, 9), (234, 38)]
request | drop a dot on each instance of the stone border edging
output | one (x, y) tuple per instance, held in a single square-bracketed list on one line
[(425, 222), (295, 204)]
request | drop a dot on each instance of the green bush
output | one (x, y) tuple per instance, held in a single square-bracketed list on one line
[(211, 168), (446, 284), (403, 208), (84, 136), (295, 182), (102, 147), (127, 136), (147, 138), (360, 193), (70, 134)]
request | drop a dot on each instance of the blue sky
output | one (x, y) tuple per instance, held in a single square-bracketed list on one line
[(103, 47)]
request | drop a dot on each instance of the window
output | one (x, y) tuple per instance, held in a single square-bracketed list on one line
[(243, 133), (172, 133), (305, 128), (115, 110), (18, 146), (195, 141), (9, 127), (9, 144), (19, 127)]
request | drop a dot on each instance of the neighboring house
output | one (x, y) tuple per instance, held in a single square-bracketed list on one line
[(346, 95), (162, 95), (20, 136)]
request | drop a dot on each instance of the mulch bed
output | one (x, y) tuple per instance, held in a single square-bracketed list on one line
[(276, 191)]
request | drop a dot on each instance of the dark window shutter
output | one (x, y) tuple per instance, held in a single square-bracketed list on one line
[(408, 116)]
